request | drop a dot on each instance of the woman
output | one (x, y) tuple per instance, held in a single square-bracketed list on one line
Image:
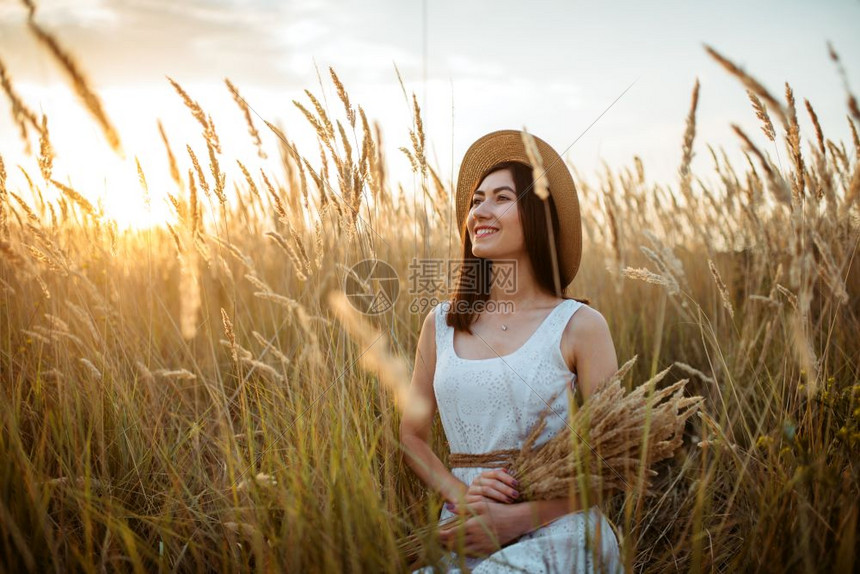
[(493, 356)]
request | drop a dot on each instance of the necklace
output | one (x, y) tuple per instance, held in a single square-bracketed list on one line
[(504, 327)]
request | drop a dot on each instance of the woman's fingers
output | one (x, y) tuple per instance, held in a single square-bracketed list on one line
[(487, 492), (505, 477), (498, 491), (500, 475), (473, 498), (494, 488), (469, 501)]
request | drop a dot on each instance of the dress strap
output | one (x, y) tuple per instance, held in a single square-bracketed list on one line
[(441, 326), (551, 338), (560, 321)]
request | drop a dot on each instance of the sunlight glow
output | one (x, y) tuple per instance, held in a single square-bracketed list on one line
[(84, 161)]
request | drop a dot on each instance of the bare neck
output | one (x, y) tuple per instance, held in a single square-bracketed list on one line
[(519, 287)]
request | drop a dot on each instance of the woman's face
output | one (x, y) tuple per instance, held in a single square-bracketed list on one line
[(494, 206)]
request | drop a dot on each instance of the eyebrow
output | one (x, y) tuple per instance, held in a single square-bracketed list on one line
[(497, 190)]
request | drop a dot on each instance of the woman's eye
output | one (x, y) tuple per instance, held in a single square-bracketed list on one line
[(476, 201)]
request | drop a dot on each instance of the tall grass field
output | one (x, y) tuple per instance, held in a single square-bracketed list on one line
[(198, 396)]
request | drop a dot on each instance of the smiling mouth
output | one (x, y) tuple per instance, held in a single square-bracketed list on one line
[(481, 233)]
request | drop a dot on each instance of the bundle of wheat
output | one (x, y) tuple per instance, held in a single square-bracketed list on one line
[(611, 433)]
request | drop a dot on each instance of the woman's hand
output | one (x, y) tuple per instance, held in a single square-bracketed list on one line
[(489, 526), (452, 496), (496, 485), (491, 485)]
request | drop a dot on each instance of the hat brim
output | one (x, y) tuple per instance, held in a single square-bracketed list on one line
[(507, 145)]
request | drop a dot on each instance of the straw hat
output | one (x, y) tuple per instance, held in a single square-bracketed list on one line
[(506, 145)]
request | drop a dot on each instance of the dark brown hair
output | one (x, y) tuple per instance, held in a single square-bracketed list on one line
[(535, 234)]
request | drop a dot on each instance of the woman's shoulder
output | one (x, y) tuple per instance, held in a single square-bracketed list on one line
[(586, 325), (586, 321)]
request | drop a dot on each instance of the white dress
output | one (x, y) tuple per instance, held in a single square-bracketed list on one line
[(490, 404)]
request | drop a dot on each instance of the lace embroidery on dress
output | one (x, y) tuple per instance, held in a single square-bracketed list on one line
[(489, 404)]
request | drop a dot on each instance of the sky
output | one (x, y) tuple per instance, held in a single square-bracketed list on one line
[(558, 69)]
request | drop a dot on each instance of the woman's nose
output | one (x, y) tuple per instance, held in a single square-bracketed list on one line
[(482, 210)]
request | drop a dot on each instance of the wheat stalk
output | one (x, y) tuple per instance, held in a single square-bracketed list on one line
[(775, 182), (141, 177), (344, 97), (276, 199), (819, 135), (724, 292), (21, 114), (205, 121), (193, 205), (217, 175), (761, 114), (94, 372), (179, 374), (246, 113), (201, 178), (79, 199), (174, 167), (751, 83), (79, 82), (853, 107), (689, 136), (648, 276), (535, 159), (799, 183), (228, 330), (46, 151), (375, 356), (854, 137)]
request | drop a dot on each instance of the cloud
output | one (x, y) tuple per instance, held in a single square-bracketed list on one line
[(61, 12), (253, 42), (144, 40)]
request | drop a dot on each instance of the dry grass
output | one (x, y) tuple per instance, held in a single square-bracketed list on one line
[(136, 436), (77, 78)]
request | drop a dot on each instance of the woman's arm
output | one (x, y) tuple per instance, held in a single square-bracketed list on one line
[(588, 348), (537, 513), (416, 424)]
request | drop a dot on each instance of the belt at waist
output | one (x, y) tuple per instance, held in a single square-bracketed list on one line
[(496, 458)]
